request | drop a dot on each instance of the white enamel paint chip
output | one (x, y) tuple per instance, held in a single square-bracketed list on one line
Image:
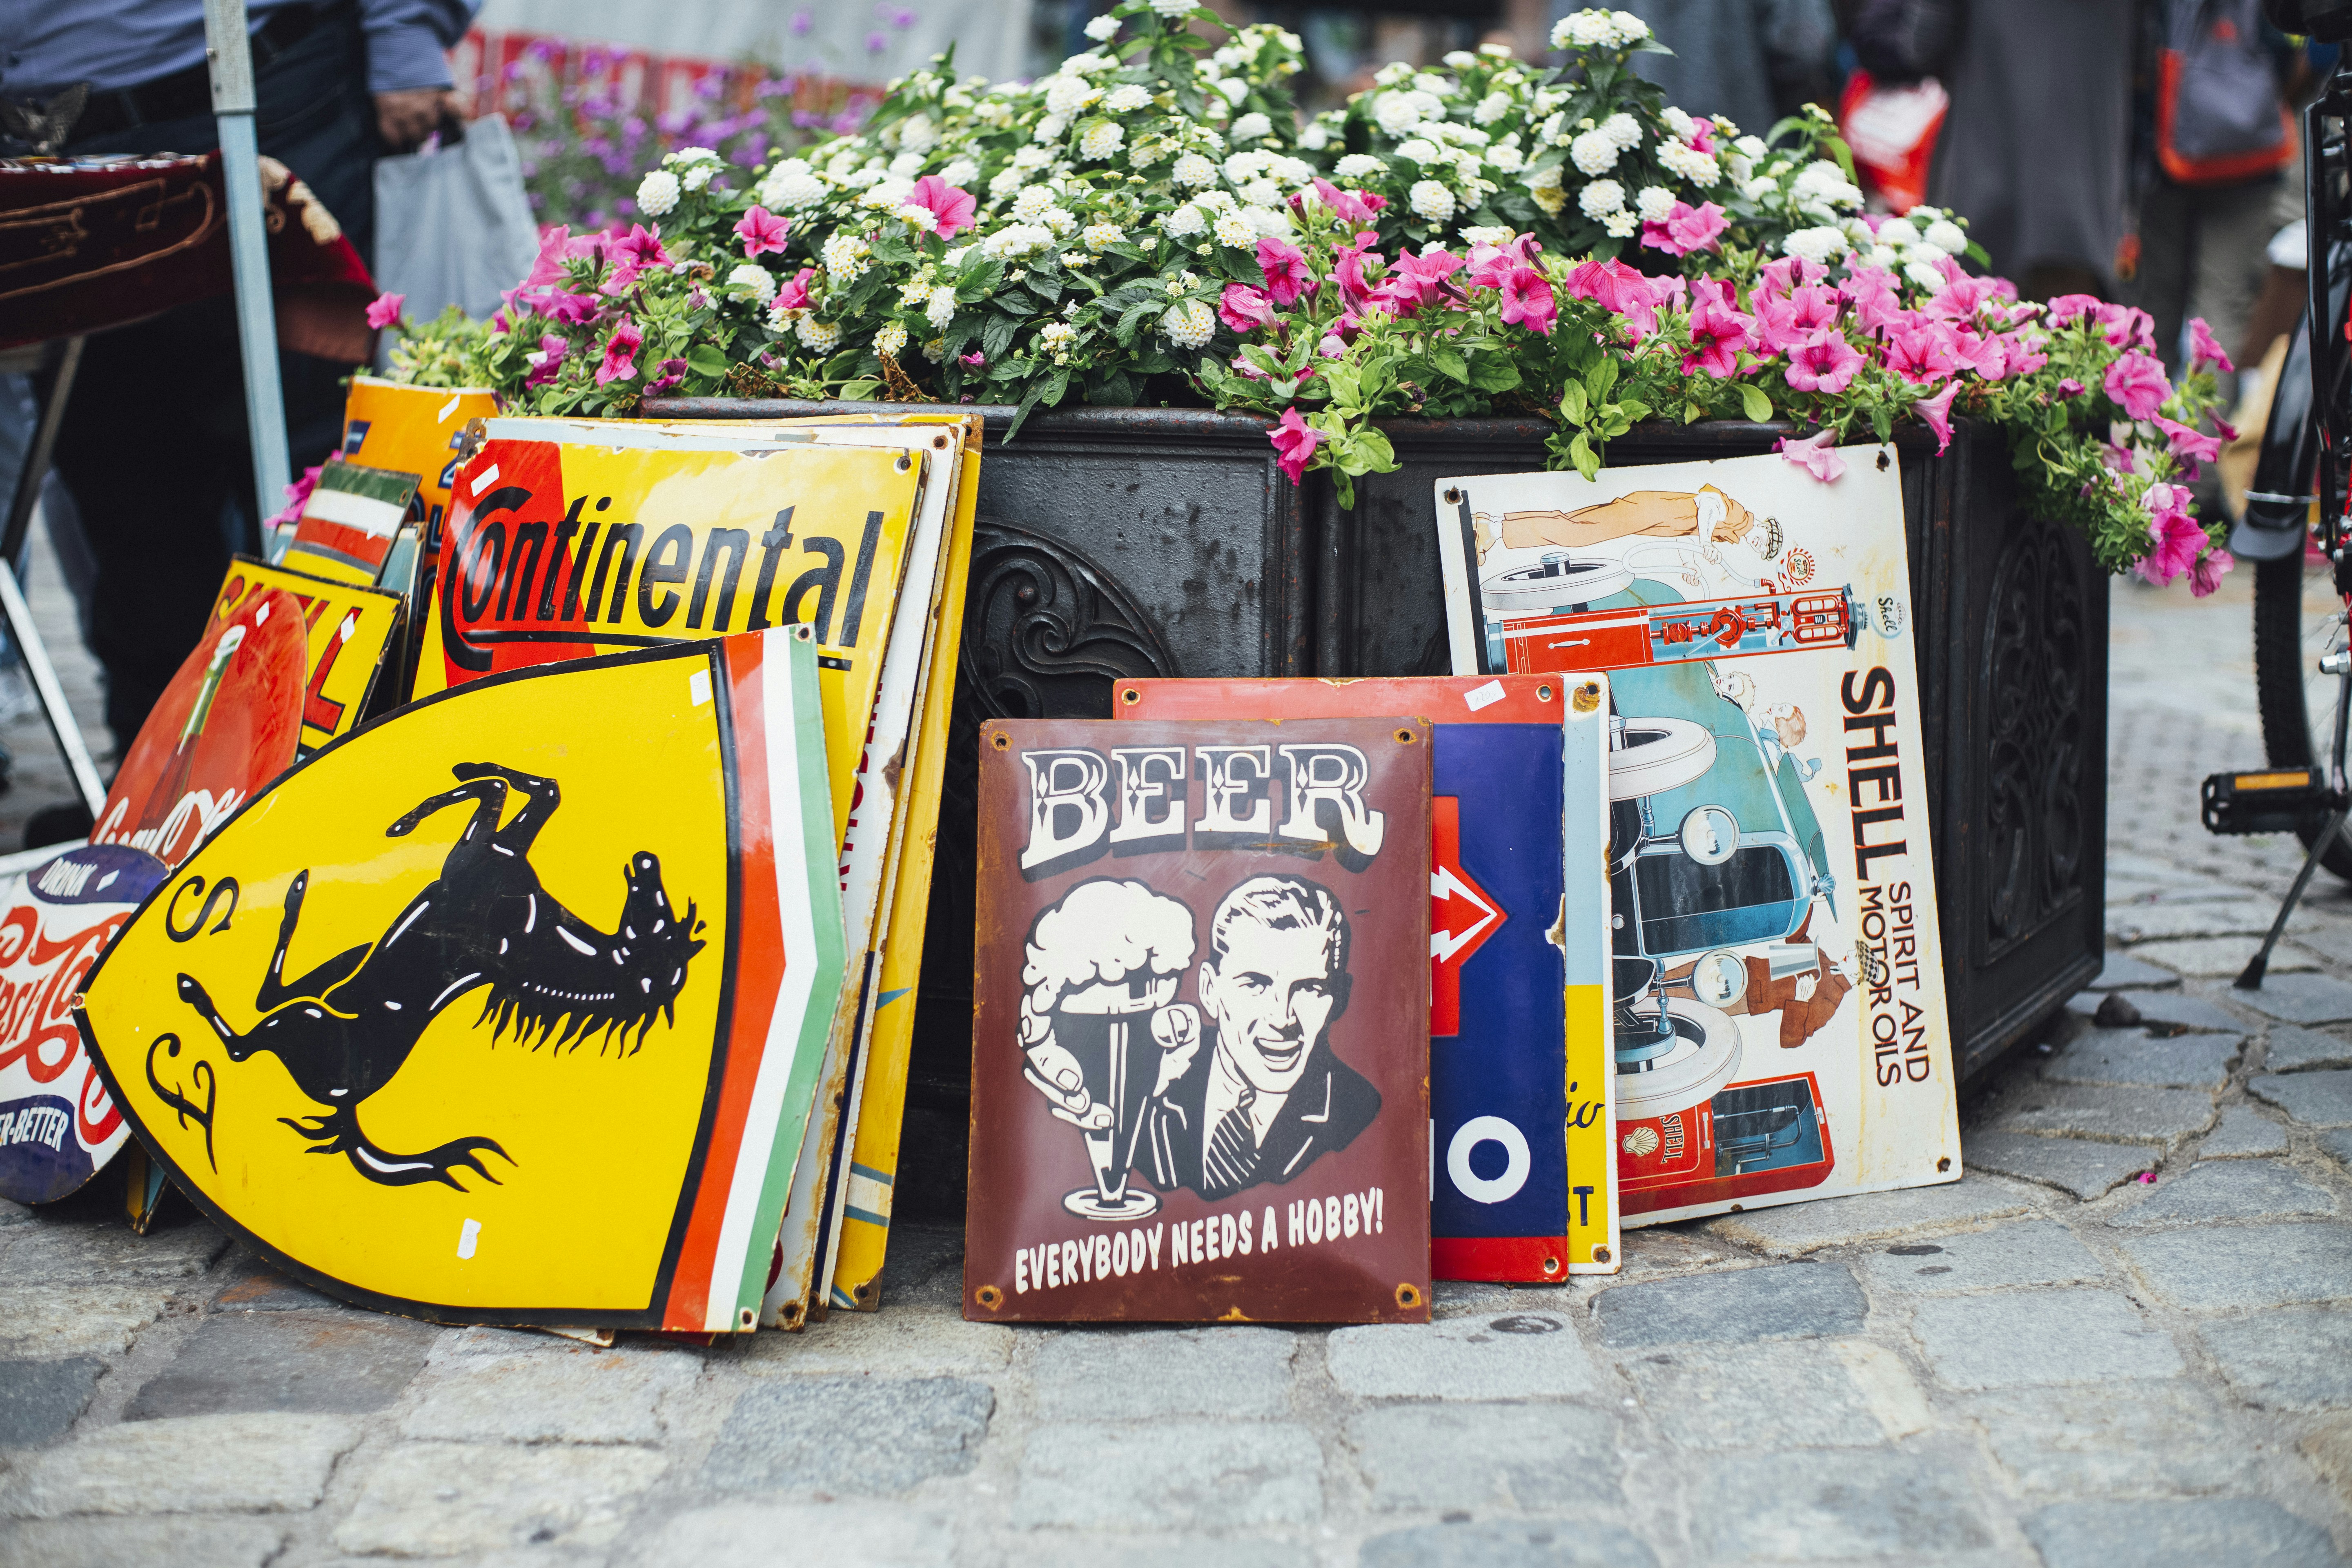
[(447, 409), (698, 686), (1486, 696), (488, 478), (467, 1234)]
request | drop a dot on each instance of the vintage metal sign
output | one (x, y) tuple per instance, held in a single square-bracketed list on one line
[(1200, 1048), (414, 430), (1519, 1077), (348, 629), (1780, 1025), (497, 1010), (224, 727), (350, 521)]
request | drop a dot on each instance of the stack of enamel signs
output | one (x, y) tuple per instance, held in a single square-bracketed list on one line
[(665, 786), (1779, 1029)]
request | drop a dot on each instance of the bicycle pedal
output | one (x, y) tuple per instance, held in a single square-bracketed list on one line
[(2273, 800)]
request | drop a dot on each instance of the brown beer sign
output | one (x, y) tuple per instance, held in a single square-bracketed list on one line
[(1201, 1047)]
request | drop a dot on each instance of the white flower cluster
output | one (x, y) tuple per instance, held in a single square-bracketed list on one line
[(1822, 188), (752, 281), (658, 193), (1599, 30), (1189, 323), (891, 341), (1432, 201), (1601, 198), (1596, 151), (1699, 168), (790, 185), (846, 259)]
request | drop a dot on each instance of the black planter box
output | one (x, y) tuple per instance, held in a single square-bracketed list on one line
[(1132, 541)]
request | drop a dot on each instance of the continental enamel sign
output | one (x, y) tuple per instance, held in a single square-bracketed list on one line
[(1200, 1037), (494, 1010), (223, 730), (416, 430), (350, 521), (1781, 1031), (346, 630), (1519, 1077)]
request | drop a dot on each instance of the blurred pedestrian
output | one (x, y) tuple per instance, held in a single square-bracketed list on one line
[(154, 447), (1751, 61), (2036, 148)]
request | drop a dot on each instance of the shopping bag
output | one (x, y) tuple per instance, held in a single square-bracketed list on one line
[(453, 226)]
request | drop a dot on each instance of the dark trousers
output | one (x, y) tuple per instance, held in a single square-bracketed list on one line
[(153, 446)]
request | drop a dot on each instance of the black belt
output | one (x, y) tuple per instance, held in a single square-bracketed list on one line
[(185, 94)]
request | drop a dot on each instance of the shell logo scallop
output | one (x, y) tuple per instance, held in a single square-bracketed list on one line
[(1642, 1142), (496, 1010)]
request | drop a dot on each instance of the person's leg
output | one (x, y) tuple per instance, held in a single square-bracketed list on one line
[(2234, 232), (155, 445), (2168, 243)]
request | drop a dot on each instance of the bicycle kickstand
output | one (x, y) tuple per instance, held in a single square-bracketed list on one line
[(2339, 664)]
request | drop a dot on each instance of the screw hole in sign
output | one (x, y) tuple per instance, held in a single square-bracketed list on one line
[(1408, 1296), (1599, 1255), (1129, 695), (747, 1320), (1944, 1163), (990, 1297), (1551, 1265), (1543, 692), (905, 462), (1001, 741), (1588, 697), (1404, 737)]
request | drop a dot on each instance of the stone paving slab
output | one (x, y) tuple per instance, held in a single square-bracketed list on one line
[(904, 1340), (1477, 1457), (1802, 1392), (2298, 1358), (2135, 1438), (575, 1395), (1112, 1374), (2315, 1099), (2132, 924), (1803, 1507), (2178, 1533), (40, 1399), (2302, 998), (1177, 1474), (2220, 957), (2338, 1143), (2243, 1133), (2037, 1252), (1792, 1230), (1781, 1301), (2215, 1267), (450, 1500), (2230, 1190), (2075, 1165), (316, 1363), (1507, 1356), (2107, 1114), (2033, 1339), (764, 1535), (200, 1463), (2292, 1049), (76, 1319), (1522, 1543), (2124, 972), (2189, 1011), (114, 1542), (2130, 1056), (849, 1435), (103, 1256)]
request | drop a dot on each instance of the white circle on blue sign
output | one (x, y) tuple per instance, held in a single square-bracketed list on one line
[(1518, 1160)]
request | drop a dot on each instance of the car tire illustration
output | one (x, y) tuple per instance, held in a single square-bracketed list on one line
[(1658, 754), (1704, 1059), (1553, 584)]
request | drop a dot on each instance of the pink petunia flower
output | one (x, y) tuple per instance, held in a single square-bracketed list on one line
[(2210, 568), (1825, 362), (1871, 294), (1814, 454), (1350, 206), (1293, 444), (1937, 412), (1685, 228), (761, 231), (384, 312), (1490, 264), (952, 207), (2175, 540), (548, 361), (1424, 276), (1918, 354), (1961, 298), (2202, 351), (1971, 352), (2136, 382), (1718, 333), (1528, 300), (1782, 322), (619, 349), (2070, 387), (667, 375), (2020, 355), (1619, 289), (2188, 442), (795, 294), (1349, 267), (1286, 275), (1245, 308), (1786, 276), (974, 359)]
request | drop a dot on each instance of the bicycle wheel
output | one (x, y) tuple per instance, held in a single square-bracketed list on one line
[(2293, 609)]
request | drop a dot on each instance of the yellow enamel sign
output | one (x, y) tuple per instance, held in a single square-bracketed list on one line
[(348, 627), (416, 430), (492, 1011), (561, 549)]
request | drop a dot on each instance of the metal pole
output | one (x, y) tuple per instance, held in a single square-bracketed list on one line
[(19, 616), (229, 49)]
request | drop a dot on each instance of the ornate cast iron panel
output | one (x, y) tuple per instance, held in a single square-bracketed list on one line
[(2033, 790)]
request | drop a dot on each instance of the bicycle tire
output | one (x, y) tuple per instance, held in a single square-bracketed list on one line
[(2279, 660)]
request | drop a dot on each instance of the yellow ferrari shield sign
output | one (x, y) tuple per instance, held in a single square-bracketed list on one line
[(493, 1011)]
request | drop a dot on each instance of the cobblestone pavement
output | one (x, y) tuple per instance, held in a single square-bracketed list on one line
[(2051, 1362)]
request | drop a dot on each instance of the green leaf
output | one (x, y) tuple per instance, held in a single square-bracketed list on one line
[(1633, 411), (1572, 403), (1449, 359), (706, 360), (1581, 453), (1754, 403), (1694, 412), (1601, 376), (1493, 373)]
